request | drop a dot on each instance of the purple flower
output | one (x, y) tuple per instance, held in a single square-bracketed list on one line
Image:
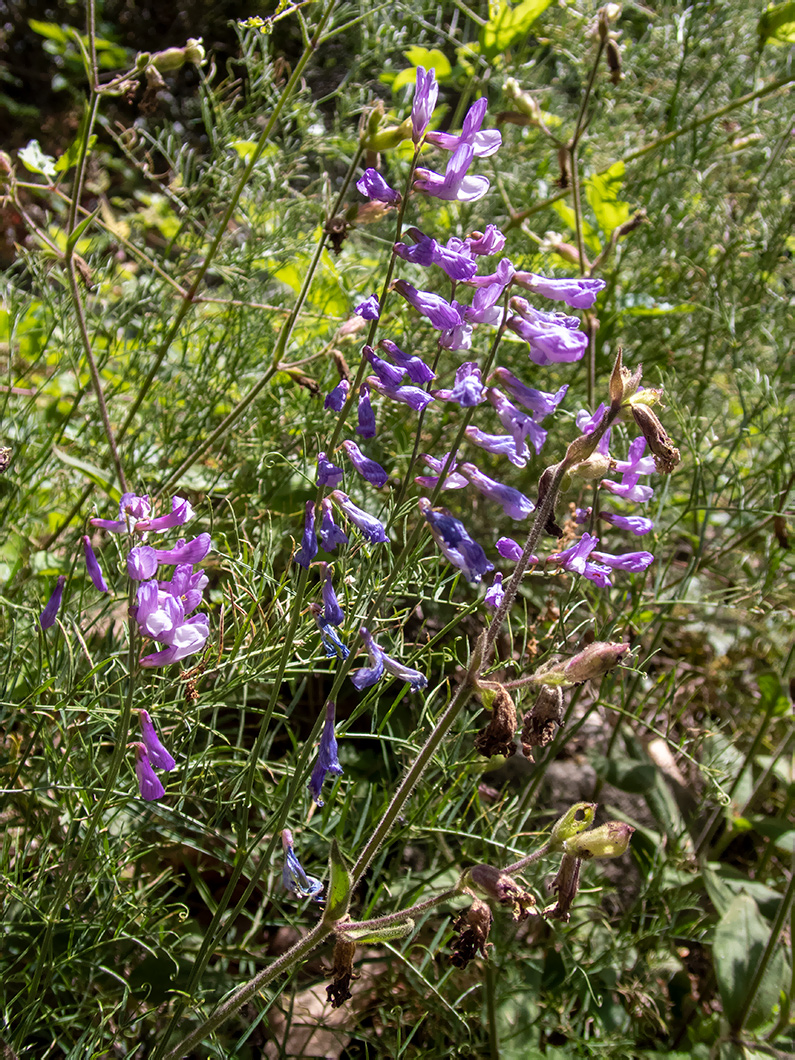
[(181, 512), (455, 185), (50, 612), (369, 675), (148, 782), (331, 535), (365, 426), (552, 337), (454, 541), (540, 403), (586, 423), (186, 640), (336, 398), (441, 314), (501, 444), (294, 878), (412, 396), (413, 678), (187, 585), (425, 95), (369, 309), (327, 756), (332, 643), (575, 292), (92, 566), (332, 612), (513, 503), (369, 526), (367, 468), (373, 185), (492, 241), (451, 482), (468, 387), (635, 524), (636, 463), (328, 474), (483, 143), (500, 278), (629, 489), (509, 549), (132, 509), (161, 615), (577, 560), (454, 259), (308, 550), (629, 561), (158, 755), (418, 370), (495, 594), (142, 563), (518, 423), (387, 373), (185, 551), (582, 515)]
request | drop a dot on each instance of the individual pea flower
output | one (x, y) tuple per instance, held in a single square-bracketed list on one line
[(336, 398), (386, 372), (369, 309), (510, 549), (187, 585), (540, 403), (456, 185), (381, 662), (332, 642), (181, 512), (372, 529), (454, 259), (495, 594), (158, 755), (373, 185), (468, 387), (93, 567), (418, 371), (332, 612), (513, 503), (365, 426), (185, 551), (369, 469), (483, 143), (425, 96), (161, 615), (132, 509), (491, 241), (412, 396), (149, 784), (635, 524), (328, 474), (518, 423), (142, 563), (576, 559), (552, 337), (294, 878), (331, 535), (454, 541), (577, 292), (53, 606), (629, 489), (439, 312), (453, 481), (308, 550), (628, 561), (501, 444), (327, 760), (636, 463)]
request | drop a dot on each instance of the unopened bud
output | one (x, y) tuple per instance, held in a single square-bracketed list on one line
[(594, 661), (525, 103), (595, 467), (473, 927), (575, 820), (623, 383), (608, 841), (613, 56), (388, 138), (666, 455), (6, 167), (173, 58)]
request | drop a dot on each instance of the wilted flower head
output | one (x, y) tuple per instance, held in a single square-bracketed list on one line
[(327, 760), (294, 878), (50, 612), (503, 889), (473, 927), (498, 736)]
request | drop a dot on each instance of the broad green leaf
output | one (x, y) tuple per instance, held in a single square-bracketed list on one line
[(431, 59), (740, 940), (339, 888), (602, 191), (508, 25), (777, 24), (72, 154), (50, 30), (92, 473), (35, 161), (569, 218)]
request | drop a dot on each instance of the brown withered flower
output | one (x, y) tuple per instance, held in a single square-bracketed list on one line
[(498, 736), (666, 455), (565, 884), (540, 723), (503, 889), (473, 927), (342, 973)]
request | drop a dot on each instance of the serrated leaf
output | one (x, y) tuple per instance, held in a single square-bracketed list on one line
[(35, 161), (602, 191), (387, 933), (509, 25), (777, 24), (339, 887), (92, 473)]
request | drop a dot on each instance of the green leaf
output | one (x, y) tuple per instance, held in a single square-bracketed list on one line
[(50, 30), (509, 25), (92, 473), (602, 191), (80, 229), (35, 161), (431, 59), (387, 933), (72, 154), (740, 940), (777, 24), (339, 888)]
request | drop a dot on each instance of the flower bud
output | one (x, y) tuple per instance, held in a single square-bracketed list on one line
[(666, 455), (473, 927), (613, 56), (623, 383), (608, 841), (525, 103), (575, 820), (595, 467), (386, 139), (594, 661), (503, 889), (173, 58)]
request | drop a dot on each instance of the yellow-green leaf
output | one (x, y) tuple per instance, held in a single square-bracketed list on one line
[(508, 25), (603, 193), (431, 59), (777, 24)]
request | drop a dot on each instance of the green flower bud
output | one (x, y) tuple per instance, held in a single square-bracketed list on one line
[(608, 841), (594, 661), (575, 820), (391, 136), (525, 103)]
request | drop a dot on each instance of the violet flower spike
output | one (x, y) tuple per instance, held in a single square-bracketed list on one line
[(373, 185), (371, 471), (372, 529), (635, 524), (332, 612), (53, 606), (514, 504), (412, 396), (93, 567), (336, 398), (331, 535), (369, 309), (158, 755), (328, 474), (149, 784), (294, 878), (579, 293), (327, 756), (495, 594), (369, 675), (365, 426), (308, 550), (425, 95), (418, 370), (386, 372), (455, 543)]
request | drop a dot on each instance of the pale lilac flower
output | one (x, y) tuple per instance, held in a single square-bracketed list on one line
[(579, 293), (635, 524), (500, 444), (372, 529), (373, 185), (386, 372), (369, 675), (365, 426), (495, 594), (412, 396), (308, 550), (441, 314), (453, 481), (369, 469), (629, 489), (634, 562), (418, 370), (328, 474), (454, 541), (187, 585), (455, 185), (552, 337), (458, 337), (514, 504), (509, 549), (492, 241), (587, 423), (336, 398), (185, 551), (148, 781), (412, 677), (132, 509), (582, 515), (538, 401), (142, 562), (636, 463), (158, 755), (454, 259), (483, 143), (331, 535), (332, 612), (425, 96), (92, 566), (518, 423), (577, 560), (181, 512), (369, 309), (187, 639), (294, 878), (327, 756), (468, 387), (53, 606), (500, 278), (160, 614)]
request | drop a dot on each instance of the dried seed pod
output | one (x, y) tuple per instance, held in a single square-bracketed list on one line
[(540, 723), (498, 736), (473, 927)]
